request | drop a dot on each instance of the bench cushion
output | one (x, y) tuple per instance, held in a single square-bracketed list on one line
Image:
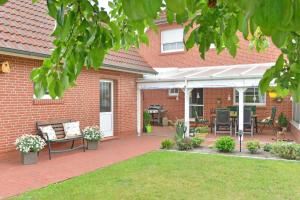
[(48, 131), (72, 129)]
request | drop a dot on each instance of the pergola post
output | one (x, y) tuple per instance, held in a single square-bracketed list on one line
[(138, 111), (241, 108), (187, 110)]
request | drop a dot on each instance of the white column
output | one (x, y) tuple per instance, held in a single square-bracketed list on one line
[(138, 111), (241, 108), (187, 109)]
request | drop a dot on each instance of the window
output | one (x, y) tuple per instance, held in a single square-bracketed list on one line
[(296, 114), (105, 96), (196, 102), (173, 92), (46, 95), (172, 40), (252, 96)]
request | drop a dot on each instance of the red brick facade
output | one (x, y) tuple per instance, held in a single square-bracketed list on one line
[(19, 111)]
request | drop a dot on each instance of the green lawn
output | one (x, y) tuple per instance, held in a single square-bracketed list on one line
[(175, 175)]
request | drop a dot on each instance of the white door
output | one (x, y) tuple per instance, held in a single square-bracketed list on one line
[(106, 108)]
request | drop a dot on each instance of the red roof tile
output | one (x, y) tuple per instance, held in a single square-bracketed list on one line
[(26, 28)]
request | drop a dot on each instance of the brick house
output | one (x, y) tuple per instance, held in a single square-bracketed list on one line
[(24, 42), (110, 94), (166, 54)]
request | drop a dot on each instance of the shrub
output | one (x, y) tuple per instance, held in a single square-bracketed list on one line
[(225, 144), (267, 147), (167, 144), (92, 133), (253, 146), (184, 144), (286, 150), (202, 129), (282, 120), (196, 142), (29, 143)]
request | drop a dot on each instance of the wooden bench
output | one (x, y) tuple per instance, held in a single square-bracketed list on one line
[(61, 136)]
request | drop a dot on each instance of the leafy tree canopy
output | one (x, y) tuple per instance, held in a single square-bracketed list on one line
[(85, 33)]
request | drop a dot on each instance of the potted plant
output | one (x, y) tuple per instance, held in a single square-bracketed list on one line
[(29, 146), (201, 131), (283, 122), (147, 120), (92, 135)]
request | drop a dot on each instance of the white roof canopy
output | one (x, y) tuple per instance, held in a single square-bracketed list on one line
[(247, 75)]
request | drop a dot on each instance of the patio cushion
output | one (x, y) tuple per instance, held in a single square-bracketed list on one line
[(72, 129), (265, 120), (48, 131)]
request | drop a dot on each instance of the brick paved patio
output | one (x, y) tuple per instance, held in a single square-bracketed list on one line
[(16, 178)]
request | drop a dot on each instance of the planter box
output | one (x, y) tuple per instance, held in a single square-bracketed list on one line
[(92, 145), (29, 158)]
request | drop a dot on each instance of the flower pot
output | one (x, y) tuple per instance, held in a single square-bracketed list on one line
[(284, 129), (29, 158), (92, 145), (148, 129)]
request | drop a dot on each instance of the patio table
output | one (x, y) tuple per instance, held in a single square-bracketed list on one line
[(234, 118)]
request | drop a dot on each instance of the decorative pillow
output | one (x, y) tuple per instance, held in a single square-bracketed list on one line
[(72, 129), (266, 119), (48, 131)]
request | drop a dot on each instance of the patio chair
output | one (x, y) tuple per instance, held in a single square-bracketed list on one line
[(248, 122), (223, 121), (269, 121)]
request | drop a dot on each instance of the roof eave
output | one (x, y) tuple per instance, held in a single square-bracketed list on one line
[(42, 56)]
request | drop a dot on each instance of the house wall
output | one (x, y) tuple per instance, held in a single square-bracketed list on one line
[(295, 132), (19, 111), (152, 53), (175, 108)]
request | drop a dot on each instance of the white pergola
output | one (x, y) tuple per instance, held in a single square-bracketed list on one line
[(233, 76)]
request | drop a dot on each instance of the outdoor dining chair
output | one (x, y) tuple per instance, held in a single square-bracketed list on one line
[(223, 121), (248, 122), (269, 121)]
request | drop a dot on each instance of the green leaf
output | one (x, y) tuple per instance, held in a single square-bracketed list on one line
[(170, 16), (3, 2), (176, 6), (295, 67), (52, 10), (264, 83), (272, 14), (279, 38), (96, 57), (190, 41)]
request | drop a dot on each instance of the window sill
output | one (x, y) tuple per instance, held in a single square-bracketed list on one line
[(257, 105), (295, 124), (172, 53), (47, 101)]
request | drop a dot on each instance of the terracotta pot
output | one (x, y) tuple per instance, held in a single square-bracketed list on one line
[(29, 158), (92, 145)]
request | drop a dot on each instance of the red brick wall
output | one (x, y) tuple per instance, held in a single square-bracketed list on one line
[(152, 54), (19, 111), (175, 109)]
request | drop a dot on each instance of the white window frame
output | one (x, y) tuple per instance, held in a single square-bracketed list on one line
[(249, 104), (294, 123), (162, 41), (173, 93), (198, 105)]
